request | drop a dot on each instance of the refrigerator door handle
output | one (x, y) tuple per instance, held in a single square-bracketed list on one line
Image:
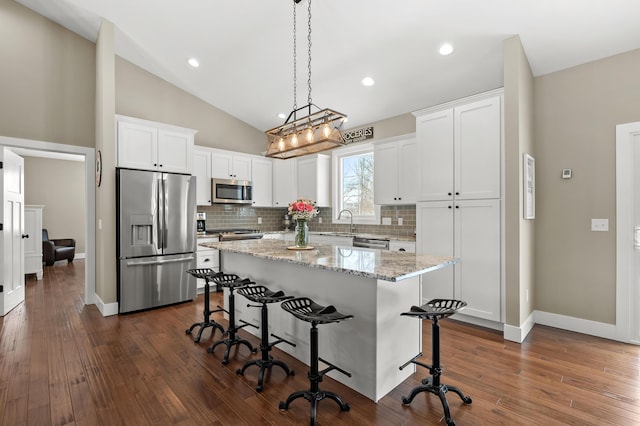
[(158, 262), (161, 223)]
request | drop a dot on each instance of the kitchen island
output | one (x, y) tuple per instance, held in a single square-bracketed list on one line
[(375, 286)]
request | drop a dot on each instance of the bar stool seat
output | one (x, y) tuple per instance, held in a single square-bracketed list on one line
[(307, 310), (261, 294), (207, 274), (435, 310), (232, 282)]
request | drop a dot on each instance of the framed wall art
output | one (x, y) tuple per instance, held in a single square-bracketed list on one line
[(529, 186)]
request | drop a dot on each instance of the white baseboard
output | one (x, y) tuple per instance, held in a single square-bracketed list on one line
[(106, 309), (578, 325), (592, 328), (518, 334)]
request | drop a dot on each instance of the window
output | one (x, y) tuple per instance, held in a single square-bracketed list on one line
[(353, 185)]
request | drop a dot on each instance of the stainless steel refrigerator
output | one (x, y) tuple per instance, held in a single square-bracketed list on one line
[(156, 238)]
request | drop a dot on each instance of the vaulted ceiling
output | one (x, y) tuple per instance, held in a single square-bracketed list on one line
[(245, 48)]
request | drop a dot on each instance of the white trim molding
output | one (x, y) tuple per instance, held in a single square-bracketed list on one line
[(106, 309)]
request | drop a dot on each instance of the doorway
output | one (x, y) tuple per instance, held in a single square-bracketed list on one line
[(628, 232), (90, 235)]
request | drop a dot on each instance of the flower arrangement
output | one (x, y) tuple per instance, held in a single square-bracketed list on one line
[(303, 209)]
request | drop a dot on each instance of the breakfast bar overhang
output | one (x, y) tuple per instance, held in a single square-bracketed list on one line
[(375, 286)]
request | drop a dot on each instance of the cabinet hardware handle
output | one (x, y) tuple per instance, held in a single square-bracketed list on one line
[(457, 193), (448, 193), (402, 249), (25, 235), (449, 206), (457, 207)]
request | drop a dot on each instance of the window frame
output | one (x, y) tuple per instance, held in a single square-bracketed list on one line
[(336, 184)]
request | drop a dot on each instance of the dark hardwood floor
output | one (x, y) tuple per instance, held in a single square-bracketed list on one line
[(62, 363)]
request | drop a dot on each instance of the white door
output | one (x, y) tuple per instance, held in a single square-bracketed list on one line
[(11, 244), (628, 232)]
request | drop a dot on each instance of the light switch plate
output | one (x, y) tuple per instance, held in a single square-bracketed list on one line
[(386, 221), (601, 225)]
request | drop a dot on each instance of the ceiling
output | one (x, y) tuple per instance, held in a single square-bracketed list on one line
[(245, 48)]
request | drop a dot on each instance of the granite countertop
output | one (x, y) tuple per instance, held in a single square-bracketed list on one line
[(371, 263), (351, 235)]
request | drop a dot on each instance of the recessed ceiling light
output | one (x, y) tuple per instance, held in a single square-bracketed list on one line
[(281, 115), (368, 81), (194, 62), (446, 49)]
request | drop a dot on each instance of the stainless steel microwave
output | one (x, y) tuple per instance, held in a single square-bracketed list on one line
[(234, 191)]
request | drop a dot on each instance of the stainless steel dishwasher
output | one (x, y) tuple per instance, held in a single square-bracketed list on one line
[(376, 243)]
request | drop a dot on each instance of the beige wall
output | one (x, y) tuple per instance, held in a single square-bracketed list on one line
[(47, 79), (143, 95), (59, 186), (576, 111), (519, 233)]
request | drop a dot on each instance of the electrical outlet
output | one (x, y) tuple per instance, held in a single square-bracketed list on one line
[(319, 220), (601, 225), (259, 220), (400, 221)]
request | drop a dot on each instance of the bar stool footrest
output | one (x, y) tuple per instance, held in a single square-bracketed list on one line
[(332, 367)]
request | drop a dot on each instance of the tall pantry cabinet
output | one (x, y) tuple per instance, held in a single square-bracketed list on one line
[(459, 201)]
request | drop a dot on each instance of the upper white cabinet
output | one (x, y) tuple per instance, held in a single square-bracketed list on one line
[(313, 179), (396, 171), (202, 172), (230, 165), (148, 145), (284, 182), (262, 178), (459, 150)]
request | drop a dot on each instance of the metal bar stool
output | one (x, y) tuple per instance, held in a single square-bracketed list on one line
[(232, 282), (261, 294), (206, 274), (435, 310), (307, 310)]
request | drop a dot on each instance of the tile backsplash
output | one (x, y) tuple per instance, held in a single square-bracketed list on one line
[(224, 216)]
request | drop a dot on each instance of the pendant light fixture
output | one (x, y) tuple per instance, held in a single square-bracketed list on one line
[(316, 131)]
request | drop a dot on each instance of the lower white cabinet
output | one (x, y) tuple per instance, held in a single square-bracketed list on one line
[(406, 246), (33, 240), (207, 258), (469, 230)]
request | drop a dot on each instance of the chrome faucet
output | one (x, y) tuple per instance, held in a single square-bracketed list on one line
[(350, 218)]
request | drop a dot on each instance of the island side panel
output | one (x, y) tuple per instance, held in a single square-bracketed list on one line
[(352, 345), (399, 338)]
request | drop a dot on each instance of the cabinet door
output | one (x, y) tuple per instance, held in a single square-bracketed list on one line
[(284, 183), (242, 167), (434, 235), (408, 172), (313, 179), (385, 174), (434, 133), (202, 172), (137, 146), (262, 171), (477, 137), (175, 151), (221, 165), (405, 246), (477, 242)]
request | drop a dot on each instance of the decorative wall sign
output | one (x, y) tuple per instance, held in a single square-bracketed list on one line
[(358, 135), (529, 186)]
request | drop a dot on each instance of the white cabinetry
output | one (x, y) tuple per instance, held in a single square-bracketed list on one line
[(459, 151), (470, 230), (396, 172), (206, 258), (262, 178), (148, 145), (314, 179), (406, 246), (33, 240), (202, 172), (284, 182), (230, 165), (459, 208)]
